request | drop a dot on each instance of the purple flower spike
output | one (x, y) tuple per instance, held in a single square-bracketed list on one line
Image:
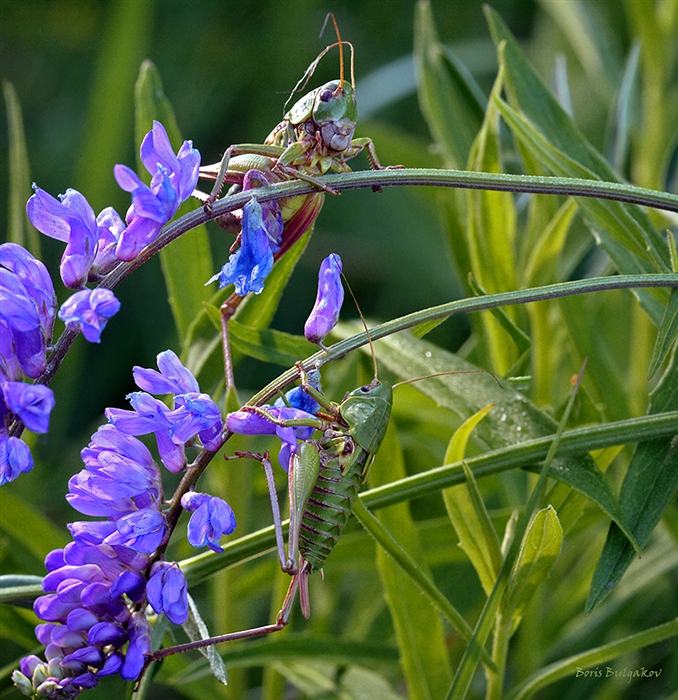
[(212, 517), (167, 592), (174, 178), (249, 266), (325, 313), (88, 311), (15, 458), (88, 238), (32, 403)]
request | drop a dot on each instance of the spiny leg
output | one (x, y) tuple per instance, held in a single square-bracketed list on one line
[(287, 563)]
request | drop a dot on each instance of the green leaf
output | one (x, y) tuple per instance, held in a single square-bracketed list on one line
[(196, 629), (416, 573), (625, 231), (490, 232), (649, 486), (565, 668), (24, 525), (465, 507), (19, 229), (418, 628), (514, 419), (626, 109), (187, 262), (538, 552), (666, 335), (107, 133), (269, 345), (448, 100)]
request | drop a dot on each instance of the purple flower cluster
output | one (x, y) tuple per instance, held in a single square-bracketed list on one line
[(96, 244), (174, 178), (97, 587), (27, 312), (262, 228), (193, 413)]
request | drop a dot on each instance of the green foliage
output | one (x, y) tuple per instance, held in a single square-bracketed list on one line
[(453, 555)]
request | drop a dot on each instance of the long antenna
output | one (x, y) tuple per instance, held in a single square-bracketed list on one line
[(445, 374), (341, 48)]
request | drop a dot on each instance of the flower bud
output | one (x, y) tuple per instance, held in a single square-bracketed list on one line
[(325, 313)]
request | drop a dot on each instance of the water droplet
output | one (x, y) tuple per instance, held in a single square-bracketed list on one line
[(503, 416), (428, 353)]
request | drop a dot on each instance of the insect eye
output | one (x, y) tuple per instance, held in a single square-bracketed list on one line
[(365, 389), (326, 95)]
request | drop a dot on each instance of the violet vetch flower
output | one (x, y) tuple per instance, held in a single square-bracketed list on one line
[(174, 178), (167, 592), (15, 458), (31, 403), (251, 423), (27, 313), (96, 584), (260, 236), (193, 414), (89, 240), (173, 377), (249, 266), (325, 312), (211, 518), (88, 311)]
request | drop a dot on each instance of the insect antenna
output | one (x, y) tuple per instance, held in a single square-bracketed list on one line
[(445, 374), (341, 48), (303, 81), (375, 380)]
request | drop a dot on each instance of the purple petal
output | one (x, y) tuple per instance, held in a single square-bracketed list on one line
[(32, 403), (249, 266), (167, 592), (143, 531), (127, 179), (173, 377), (139, 646), (88, 311), (15, 458), (212, 519), (330, 297)]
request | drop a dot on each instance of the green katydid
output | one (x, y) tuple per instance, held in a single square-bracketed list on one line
[(314, 137), (324, 478)]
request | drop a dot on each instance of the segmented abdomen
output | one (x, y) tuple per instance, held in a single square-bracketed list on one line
[(331, 501)]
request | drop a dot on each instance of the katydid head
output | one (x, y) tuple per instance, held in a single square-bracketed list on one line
[(366, 411), (331, 107)]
